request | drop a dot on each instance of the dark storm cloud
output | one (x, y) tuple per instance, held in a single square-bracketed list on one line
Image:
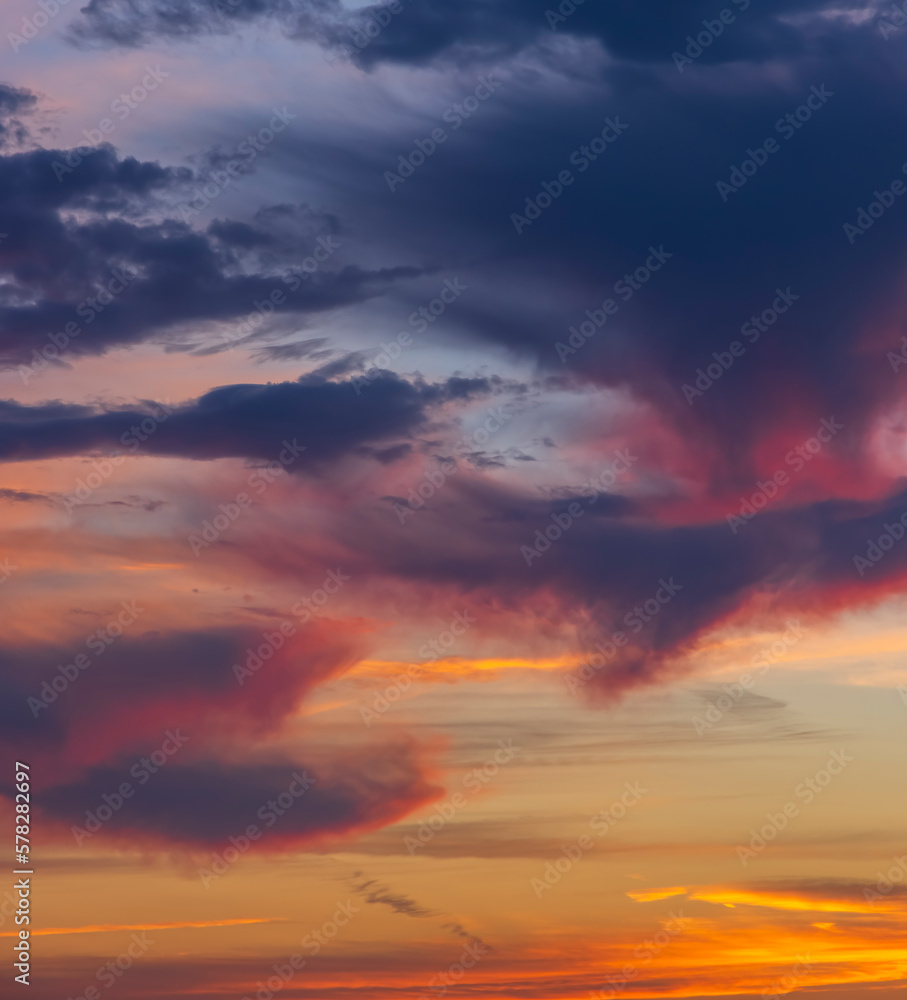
[(653, 187), (487, 540), (646, 31), (79, 285), (179, 678), (461, 29), (182, 689), (201, 803), (311, 421), (726, 255), (277, 231)]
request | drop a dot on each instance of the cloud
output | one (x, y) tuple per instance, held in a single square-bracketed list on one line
[(133, 22), (202, 802), (308, 422), (160, 680), (82, 275), (807, 895), (373, 892), (652, 196), (313, 347), (378, 894), (625, 564), (655, 187), (469, 30), (24, 496), (624, 569), (232, 760), (15, 103)]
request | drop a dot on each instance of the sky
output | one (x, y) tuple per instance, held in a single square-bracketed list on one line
[(454, 507)]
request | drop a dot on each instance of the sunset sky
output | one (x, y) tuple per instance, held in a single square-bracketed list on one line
[(455, 497)]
